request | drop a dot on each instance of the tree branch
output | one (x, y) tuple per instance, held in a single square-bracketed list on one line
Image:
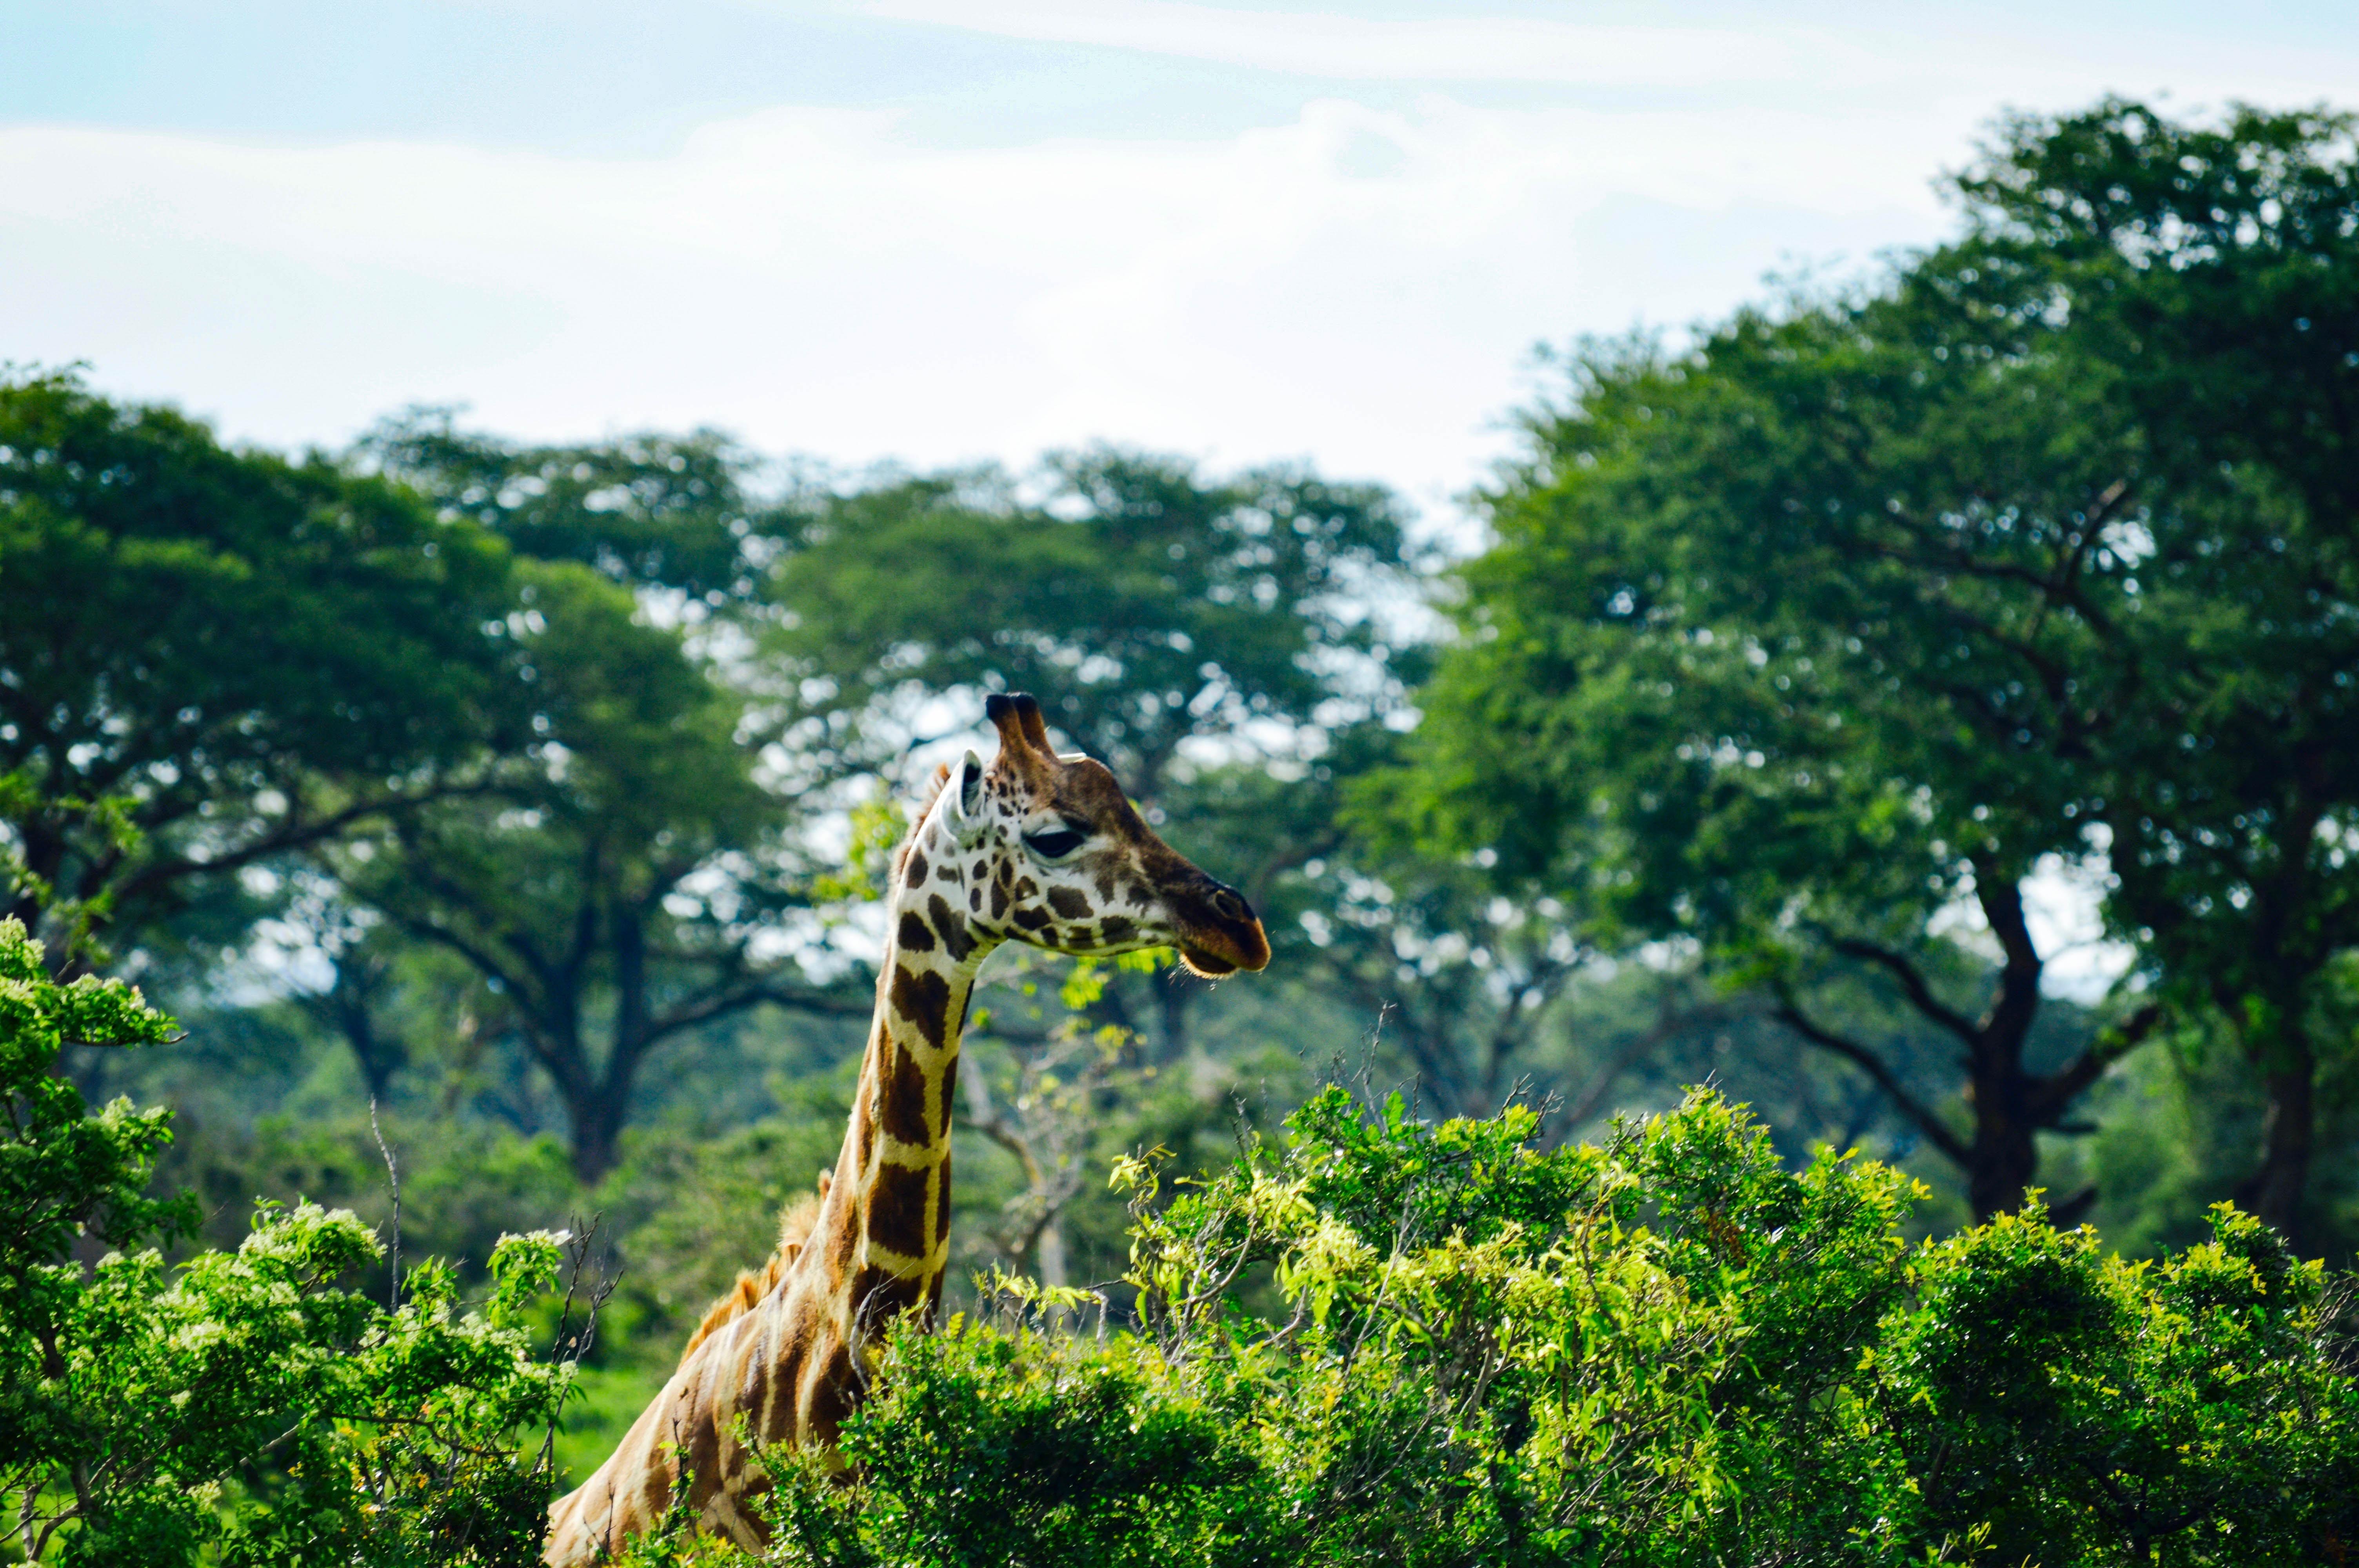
[(1937, 1131), (1913, 982), (2052, 1094)]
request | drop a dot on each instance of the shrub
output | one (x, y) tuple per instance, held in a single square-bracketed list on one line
[(241, 1408), (1387, 1342)]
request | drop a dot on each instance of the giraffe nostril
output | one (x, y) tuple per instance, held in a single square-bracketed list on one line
[(1229, 906)]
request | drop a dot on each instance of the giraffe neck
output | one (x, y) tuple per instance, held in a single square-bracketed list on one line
[(790, 1370), (888, 1214)]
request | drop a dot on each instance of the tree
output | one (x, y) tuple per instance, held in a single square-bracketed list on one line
[(648, 510), (2211, 275), (1140, 601), (241, 1408), (1856, 611), (211, 659), (614, 883), (1731, 674)]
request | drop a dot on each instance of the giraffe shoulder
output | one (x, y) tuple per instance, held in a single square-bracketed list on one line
[(794, 1222)]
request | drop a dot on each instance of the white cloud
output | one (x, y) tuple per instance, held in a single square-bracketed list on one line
[(1355, 286), (1326, 44)]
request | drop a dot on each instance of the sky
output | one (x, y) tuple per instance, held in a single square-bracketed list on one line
[(952, 231)]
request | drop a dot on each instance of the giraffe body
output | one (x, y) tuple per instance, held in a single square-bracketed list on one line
[(1039, 848)]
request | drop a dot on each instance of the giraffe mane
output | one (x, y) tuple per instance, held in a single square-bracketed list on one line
[(795, 1223), (934, 787), (795, 1220)]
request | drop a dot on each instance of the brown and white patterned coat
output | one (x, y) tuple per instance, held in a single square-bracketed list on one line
[(1037, 849)]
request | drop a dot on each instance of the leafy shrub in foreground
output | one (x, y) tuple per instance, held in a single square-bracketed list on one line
[(1380, 1342), (241, 1409), (1670, 1350)]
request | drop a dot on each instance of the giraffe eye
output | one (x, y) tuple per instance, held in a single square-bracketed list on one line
[(1054, 843)]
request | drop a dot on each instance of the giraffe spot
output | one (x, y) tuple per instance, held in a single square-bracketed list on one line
[(777, 1417), (753, 1395), (999, 899), (917, 878), (879, 1295), (703, 1459), (1115, 928), (1030, 919), (956, 942), (864, 1104), (943, 1197), (1137, 893), (974, 900), (904, 1110), (897, 1209), (981, 870), (655, 1492), (914, 936), (843, 1246), (925, 1001), (946, 872), (942, 1206), (833, 1392), (942, 1119), (1025, 888), (1069, 903)]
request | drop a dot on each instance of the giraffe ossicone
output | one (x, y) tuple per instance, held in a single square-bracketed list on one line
[(1036, 847)]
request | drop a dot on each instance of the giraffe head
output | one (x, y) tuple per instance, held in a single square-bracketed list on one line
[(1050, 852)]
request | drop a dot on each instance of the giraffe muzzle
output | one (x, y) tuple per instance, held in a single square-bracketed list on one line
[(1228, 937)]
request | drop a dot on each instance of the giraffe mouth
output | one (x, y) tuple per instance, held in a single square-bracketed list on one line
[(1210, 965)]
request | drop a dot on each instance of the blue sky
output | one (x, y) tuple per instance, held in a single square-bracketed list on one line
[(951, 229)]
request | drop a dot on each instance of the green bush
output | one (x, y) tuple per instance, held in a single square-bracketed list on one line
[(1374, 1341), (1385, 1342), (242, 1407)]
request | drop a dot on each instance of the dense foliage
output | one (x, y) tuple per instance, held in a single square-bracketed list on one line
[(536, 797), (243, 1407), (1390, 1341), (1865, 613)]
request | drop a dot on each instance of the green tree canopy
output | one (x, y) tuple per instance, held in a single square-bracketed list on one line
[(2210, 276), (1140, 601), (211, 658), (649, 509), (1794, 641), (612, 883)]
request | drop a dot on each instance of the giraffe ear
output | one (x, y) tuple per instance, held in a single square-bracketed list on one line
[(963, 800)]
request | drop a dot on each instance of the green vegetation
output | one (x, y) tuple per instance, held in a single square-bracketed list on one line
[(504, 823), (1381, 1341), (242, 1406)]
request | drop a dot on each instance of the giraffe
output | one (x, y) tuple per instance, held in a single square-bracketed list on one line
[(1037, 848)]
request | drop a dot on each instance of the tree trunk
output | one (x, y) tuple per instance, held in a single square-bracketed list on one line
[(596, 1118), (2274, 1193), (1050, 1251), (2003, 1158)]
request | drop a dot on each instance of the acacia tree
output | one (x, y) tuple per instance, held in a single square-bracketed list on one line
[(2211, 275), (613, 887), (1795, 641), (209, 659)]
